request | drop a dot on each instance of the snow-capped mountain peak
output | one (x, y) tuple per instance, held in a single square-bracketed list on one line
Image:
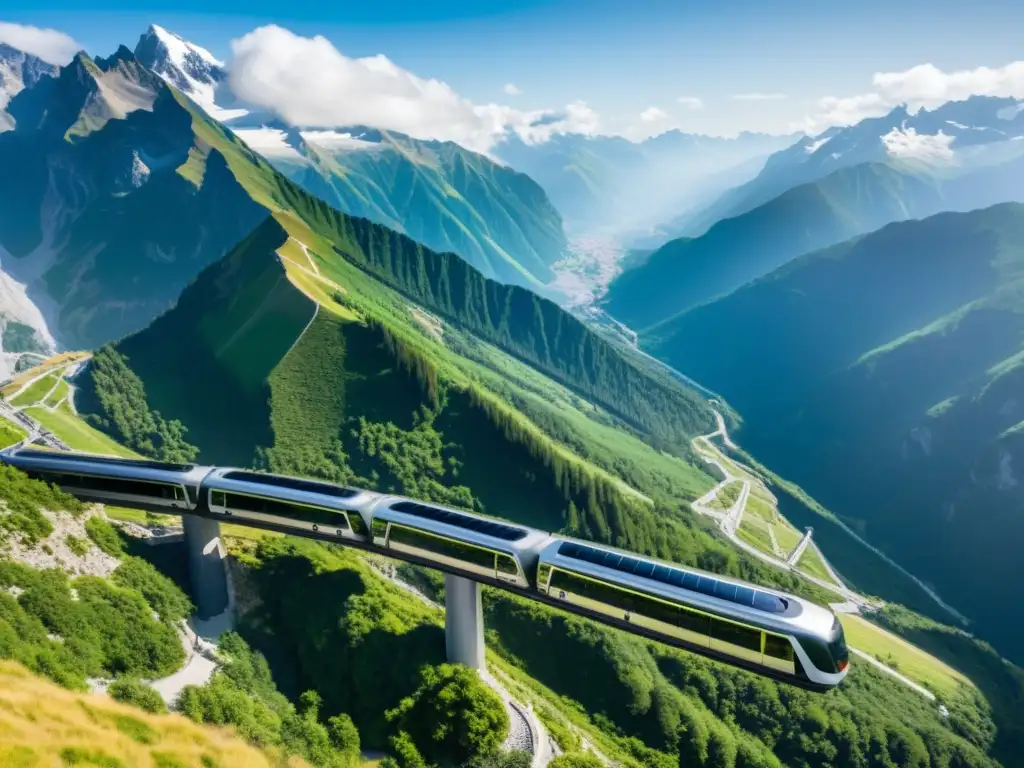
[(191, 69), (20, 70)]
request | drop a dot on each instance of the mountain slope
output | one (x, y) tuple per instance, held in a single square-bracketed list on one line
[(901, 411), (103, 169), (438, 193), (954, 138), (192, 70), (610, 183), (686, 272), (18, 70), (848, 202)]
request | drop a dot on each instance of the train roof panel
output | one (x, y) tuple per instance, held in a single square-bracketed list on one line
[(294, 483), (165, 466), (460, 520), (676, 577)]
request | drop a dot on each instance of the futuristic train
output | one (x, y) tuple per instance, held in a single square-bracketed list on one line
[(774, 634)]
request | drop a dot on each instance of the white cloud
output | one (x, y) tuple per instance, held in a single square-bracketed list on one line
[(922, 86), (908, 143), (758, 96), (309, 83), (512, 89), (653, 115), (690, 102), (49, 45)]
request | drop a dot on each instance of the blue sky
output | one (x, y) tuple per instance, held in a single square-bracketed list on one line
[(622, 58)]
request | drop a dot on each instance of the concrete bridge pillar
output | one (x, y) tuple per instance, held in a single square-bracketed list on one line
[(206, 566), (463, 622)]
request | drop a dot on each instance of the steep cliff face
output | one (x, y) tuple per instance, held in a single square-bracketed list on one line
[(107, 171)]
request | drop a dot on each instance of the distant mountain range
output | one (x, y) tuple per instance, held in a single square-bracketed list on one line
[(850, 201), (885, 374), (608, 183), (955, 138), (445, 196)]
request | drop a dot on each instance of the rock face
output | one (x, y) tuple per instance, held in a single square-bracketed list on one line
[(191, 69), (20, 70), (55, 552)]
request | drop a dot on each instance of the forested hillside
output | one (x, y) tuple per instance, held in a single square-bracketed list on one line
[(848, 202), (689, 271), (437, 193), (901, 412)]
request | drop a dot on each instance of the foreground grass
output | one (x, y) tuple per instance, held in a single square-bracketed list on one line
[(897, 653), (9, 434), (76, 433), (42, 724)]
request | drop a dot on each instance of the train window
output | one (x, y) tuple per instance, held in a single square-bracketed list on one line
[(728, 632), (355, 522), (460, 520), (543, 574), (628, 564), (778, 647), (677, 577), (819, 654), (659, 611), (706, 586), (693, 621), (506, 564), (837, 647), (245, 503), (440, 546), (644, 569), (770, 603), (217, 498), (127, 486), (294, 483), (744, 595), (380, 528)]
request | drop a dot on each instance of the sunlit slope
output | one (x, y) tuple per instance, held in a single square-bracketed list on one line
[(440, 194), (42, 724), (901, 411), (689, 271), (89, 188)]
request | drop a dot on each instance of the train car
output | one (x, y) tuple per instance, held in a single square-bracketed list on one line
[(137, 483), (291, 502), (473, 545), (774, 634)]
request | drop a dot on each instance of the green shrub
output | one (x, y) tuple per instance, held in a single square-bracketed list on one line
[(77, 546), (160, 592), (132, 691), (104, 536), (452, 715)]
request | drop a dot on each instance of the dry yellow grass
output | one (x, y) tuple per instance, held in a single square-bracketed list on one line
[(43, 725)]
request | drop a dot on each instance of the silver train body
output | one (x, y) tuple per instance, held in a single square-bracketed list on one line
[(781, 635), (471, 544), (774, 634), (156, 485), (289, 502)]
